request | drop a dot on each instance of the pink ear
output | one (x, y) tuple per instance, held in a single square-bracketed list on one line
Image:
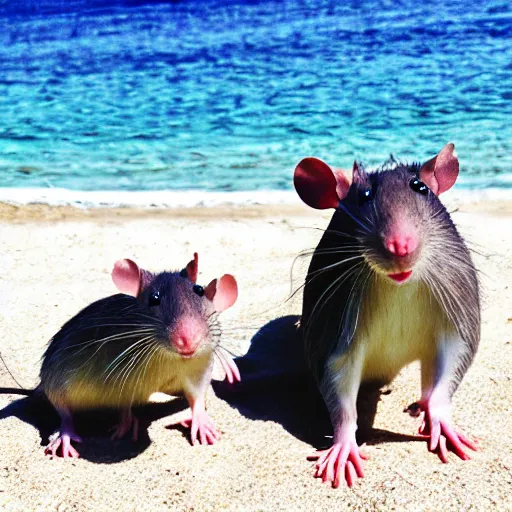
[(440, 172), (193, 268), (358, 174), (126, 275), (343, 181), (318, 186), (223, 293)]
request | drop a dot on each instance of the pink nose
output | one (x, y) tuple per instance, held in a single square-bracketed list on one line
[(401, 245), (184, 345), (185, 337)]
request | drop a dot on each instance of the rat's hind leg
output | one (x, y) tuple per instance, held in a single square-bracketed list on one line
[(127, 421), (64, 437)]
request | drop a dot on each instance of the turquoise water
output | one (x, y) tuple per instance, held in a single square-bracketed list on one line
[(224, 96)]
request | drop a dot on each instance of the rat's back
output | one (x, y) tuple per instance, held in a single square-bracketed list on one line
[(91, 361)]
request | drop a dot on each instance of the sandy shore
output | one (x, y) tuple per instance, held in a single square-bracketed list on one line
[(56, 260)]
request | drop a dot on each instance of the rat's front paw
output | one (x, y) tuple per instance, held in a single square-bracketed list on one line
[(231, 371), (442, 437), (202, 429), (343, 459)]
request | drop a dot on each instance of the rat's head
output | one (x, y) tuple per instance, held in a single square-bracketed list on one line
[(394, 214), (183, 310)]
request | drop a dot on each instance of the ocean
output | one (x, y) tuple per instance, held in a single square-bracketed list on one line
[(201, 97)]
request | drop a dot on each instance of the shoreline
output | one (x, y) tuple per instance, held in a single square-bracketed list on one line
[(41, 213), (196, 198), (67, 205)]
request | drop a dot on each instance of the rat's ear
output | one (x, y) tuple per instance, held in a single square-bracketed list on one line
[(192, 268), (318, 186), (223, 292), (359, 175), (440, 172), (126, 275)]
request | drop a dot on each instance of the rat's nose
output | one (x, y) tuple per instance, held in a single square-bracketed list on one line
[(184, 345), (185, 338), (401, 245)]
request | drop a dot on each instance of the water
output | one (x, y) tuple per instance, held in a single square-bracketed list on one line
[(229, 96)]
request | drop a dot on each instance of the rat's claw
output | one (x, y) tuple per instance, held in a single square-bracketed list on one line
[(63, 441), (342, 459), (127, 421), (202, 429), (442, 437), (203, 425), (232, 373)]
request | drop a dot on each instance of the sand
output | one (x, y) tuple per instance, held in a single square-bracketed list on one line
[(56, 260)]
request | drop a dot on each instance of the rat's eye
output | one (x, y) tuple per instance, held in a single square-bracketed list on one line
[(198, 290), (184, 273), (366, 195), (419, 186), (154, 299)]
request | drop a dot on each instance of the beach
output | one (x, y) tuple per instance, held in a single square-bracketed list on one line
[(153, 130), (57, 259)]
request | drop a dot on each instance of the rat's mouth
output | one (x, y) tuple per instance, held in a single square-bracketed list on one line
[(186, 355), (401, 277)]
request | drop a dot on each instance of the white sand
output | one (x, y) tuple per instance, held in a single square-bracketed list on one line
[(54, 261)]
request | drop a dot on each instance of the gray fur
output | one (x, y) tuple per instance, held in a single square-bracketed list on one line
[(352, 244)]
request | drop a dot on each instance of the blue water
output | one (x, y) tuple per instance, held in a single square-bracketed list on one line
[(219, 95)]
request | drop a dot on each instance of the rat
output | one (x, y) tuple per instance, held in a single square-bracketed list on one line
[(159, 335), (391, 281)]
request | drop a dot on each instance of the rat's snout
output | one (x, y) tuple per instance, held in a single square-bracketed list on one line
[(400, 245), (186, 338)]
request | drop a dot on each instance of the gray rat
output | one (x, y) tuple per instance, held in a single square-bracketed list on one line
[(159, 335), (390, 282)]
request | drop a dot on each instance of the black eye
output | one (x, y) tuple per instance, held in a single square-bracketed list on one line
[(419, 186), (184, 273), (198, 290), (154, 299), (366, 195)]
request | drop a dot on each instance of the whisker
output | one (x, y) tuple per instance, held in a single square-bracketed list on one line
[(132, 365), (331, 231), (316, 273), (334, 265), (113, 337), (355, 219), (349, 306), (338, 281), (148, 359), (232, 354), (119, 358)]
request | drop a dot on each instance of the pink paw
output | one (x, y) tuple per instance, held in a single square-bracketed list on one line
[(202, 429), (63, 441), (343, 459), (229, 366), (124, 426), (437, 427)]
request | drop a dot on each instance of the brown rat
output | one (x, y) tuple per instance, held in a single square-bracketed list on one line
[(390, 282), (160, 334)]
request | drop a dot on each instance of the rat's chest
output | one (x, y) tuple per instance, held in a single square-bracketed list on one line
[(133, 382), (398, 325)]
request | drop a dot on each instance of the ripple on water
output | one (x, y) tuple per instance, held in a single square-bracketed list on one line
[(127, 96)]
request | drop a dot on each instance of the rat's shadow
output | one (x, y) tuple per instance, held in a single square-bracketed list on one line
[(276, 386), (92, 426)]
